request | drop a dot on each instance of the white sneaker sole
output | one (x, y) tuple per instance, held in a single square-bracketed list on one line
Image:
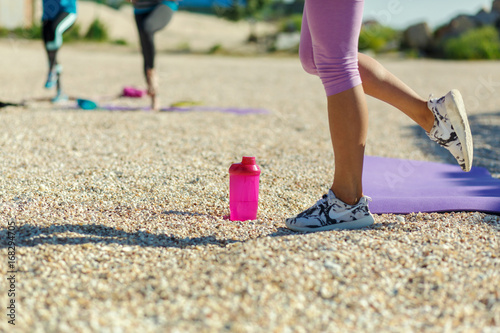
[(455, 108), (357, 224)]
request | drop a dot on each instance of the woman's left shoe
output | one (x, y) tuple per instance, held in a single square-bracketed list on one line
[(60, 97), (330, 213), (451, 128)]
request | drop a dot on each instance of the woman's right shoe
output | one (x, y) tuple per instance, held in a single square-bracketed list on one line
[(451, 128), (330, 213)]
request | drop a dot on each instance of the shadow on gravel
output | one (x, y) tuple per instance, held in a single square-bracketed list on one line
[(29, 236), (485, 130), (281, 232)]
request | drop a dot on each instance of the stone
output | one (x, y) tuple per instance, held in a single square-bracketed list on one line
[(418, 36), (455, 28), (462, 23), (484, 17), (287, 41), (495, 7)]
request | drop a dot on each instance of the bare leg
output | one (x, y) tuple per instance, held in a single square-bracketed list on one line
[(378, 82), (348, 119), (148, 24), (329, 48), (152, 81)]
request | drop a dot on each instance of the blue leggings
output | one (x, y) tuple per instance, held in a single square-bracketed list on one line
[(54, 29)]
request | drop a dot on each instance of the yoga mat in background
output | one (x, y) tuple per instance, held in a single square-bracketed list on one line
[(90, 105), (406, 186)]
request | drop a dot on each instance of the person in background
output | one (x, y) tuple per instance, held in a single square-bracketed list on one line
[(151, 16), (58, 16)]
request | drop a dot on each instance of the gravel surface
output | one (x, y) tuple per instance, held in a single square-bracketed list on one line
[(121, 217)]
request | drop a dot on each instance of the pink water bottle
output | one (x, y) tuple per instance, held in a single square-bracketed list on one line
[(244, 189)]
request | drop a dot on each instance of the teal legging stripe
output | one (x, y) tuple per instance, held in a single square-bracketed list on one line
[(61, 28)]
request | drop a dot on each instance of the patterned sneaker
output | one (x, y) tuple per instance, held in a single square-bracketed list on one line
[(329, 213), (451, 127)]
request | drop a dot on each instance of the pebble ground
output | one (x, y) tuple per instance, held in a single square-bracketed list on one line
[(121, 217)]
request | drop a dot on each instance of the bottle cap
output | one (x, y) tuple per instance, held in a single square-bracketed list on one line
[(248, 160), (246, 167)]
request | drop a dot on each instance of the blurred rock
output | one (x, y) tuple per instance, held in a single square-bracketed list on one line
[(484, 17), (418, 36), (455, 28), (287, 41), (461, 24), (495, 7)]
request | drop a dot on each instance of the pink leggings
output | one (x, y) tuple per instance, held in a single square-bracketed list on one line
[(329, 42)]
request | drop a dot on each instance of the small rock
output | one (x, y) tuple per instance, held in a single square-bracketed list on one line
[(334, 268), (418, 36), (287, 41), (496, 6)]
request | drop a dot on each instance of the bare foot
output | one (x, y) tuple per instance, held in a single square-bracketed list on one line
[(152, 81), (155, 103)]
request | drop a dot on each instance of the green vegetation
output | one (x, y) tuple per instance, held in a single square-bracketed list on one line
[(119, 41), (33, 32), (73, 34), (98, 32), (217, 48), (251, 9), (291, 23), (238, 10), (481, 43), (183, 47), (378, 38)]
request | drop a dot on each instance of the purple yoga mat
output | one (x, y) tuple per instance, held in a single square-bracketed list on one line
[(407, 186), (234, 110), (194, 108)]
